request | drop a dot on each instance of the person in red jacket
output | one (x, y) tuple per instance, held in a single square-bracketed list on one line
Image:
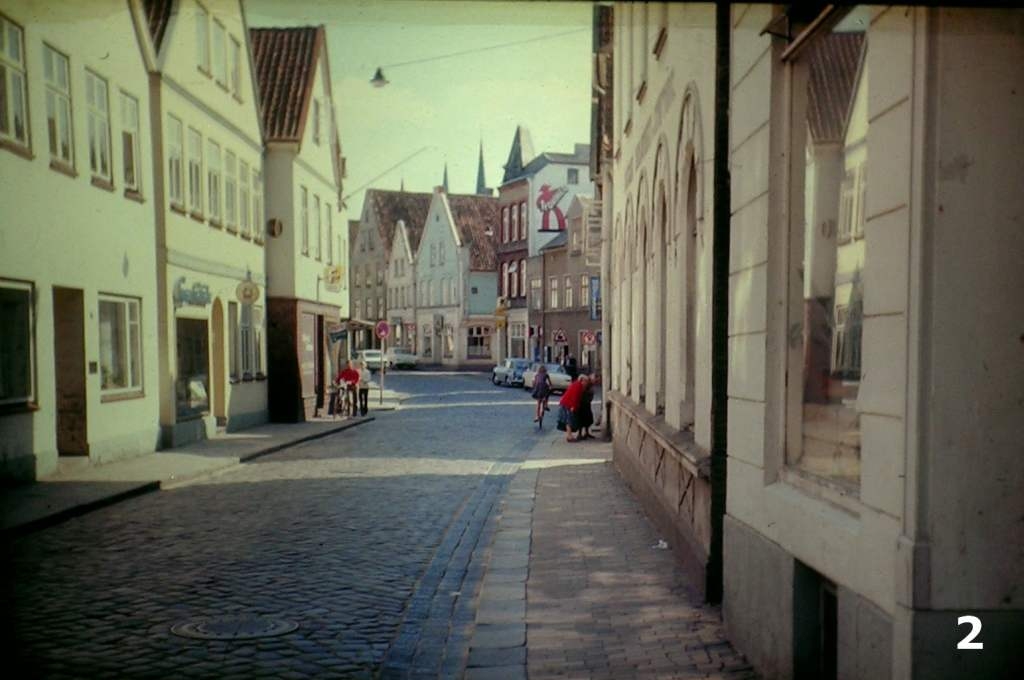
[(348, 380), (570, 405)]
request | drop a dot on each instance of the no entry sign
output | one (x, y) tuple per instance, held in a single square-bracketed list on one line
[(383, 329)]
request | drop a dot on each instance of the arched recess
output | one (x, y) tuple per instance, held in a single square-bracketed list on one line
[(657, 278), (626, 299), (639, 249), (689, 215)]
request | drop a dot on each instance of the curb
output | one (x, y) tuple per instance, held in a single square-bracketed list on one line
[(65, 514)]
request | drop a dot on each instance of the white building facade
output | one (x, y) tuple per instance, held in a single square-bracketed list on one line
[(210, 220), (401, 280), (456, 283), (307, 249), (78, 298), (869, 205)]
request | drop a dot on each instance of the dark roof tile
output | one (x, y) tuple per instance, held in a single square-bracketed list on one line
[(834, 61), (476, 218), (158, 13), (391, 206), (285, 61)]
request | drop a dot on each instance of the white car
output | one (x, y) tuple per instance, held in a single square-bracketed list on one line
[(560, 379), (372, 357), (509, 372), (401, 358)]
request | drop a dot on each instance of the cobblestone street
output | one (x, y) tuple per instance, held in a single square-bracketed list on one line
[(375, 541)]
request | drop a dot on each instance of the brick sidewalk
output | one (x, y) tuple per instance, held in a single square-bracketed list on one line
[(600, 601)]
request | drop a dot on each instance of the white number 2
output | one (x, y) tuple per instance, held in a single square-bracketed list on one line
[(975, 629)]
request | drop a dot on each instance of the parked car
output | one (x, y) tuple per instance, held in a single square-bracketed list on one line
[(372, 357), (509, 372), (560, 379), (401, 358)]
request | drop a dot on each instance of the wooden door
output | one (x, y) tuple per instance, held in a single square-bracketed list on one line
[(69, 362)]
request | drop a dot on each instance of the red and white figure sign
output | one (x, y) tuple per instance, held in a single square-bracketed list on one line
[(547, 202), (383, 329)]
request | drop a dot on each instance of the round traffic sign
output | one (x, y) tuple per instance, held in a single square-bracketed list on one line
[(383, 329)]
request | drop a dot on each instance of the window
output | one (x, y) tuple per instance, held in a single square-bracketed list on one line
[(316, 121), (584, 290), (380, 306), (13, 97), (433, 254), (236, 69), (257, 205), (304, 218), (330, 233), (504, 224), (195, 172), (478, 342), (568, 292), (17, 369), (319, 233), (202, 38), (514, 233), (553, 287), (358, 310), (573, 176), (175, 152), (130, 142), (522, 220), (234, 342), (440, 253), (213, 173), (537, 294), (220, 56), (824, 438), (251, 341), (503, 284), (230, 189), (513, 283), (243, 198), (522, 278), (98, 109), (120, 345), (58, 106)]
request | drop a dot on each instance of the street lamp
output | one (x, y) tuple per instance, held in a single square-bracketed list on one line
[(378, 79)]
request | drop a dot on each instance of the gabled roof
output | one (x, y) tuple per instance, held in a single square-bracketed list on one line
[(579, 156), (285, 61), (158, 14), (474, 217), (834, 62), (390, 206)]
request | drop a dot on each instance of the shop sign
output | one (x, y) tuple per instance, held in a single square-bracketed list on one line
[(247, 292), (333, 275), (198, 294)]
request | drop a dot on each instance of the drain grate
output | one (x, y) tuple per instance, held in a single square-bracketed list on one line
[(233, 627)]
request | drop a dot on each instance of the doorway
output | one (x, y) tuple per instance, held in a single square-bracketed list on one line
[(69, 362), (220, 383)]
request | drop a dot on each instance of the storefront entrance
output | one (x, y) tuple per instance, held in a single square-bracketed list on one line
[(192, 387), (69, 362)]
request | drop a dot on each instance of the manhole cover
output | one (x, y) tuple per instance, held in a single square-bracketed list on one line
[(233, 627)]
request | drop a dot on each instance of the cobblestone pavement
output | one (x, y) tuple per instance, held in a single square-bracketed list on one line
[(371, 540)]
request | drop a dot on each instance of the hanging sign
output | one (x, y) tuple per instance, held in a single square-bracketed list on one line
[(247, 292)]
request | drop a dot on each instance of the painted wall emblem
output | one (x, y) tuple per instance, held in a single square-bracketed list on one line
[(547, 202)]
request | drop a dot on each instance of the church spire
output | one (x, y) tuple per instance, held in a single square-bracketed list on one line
[(481, 183), (445, 182)]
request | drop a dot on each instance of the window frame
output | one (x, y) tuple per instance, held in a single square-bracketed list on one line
[(98, 124), (133, 186), (318, 251), (203, 43), (131, 348), (194, 144), (176, 199), (214, 178), (9, 65), (244, 215), (219, 33), (553, 298), (567, 283), (257, 204), (53, 89), (235, 68), (29, 400), (230, 190), (304, 219)]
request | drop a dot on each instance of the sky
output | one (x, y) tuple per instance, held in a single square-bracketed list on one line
[(448, 105)]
